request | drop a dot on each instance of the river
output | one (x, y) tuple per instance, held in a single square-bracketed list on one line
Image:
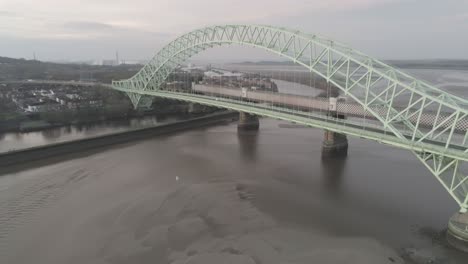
[(214, 195), (20, 140)]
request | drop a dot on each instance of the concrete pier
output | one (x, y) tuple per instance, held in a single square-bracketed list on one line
[(247, 122), (457, 233), (334, 145)]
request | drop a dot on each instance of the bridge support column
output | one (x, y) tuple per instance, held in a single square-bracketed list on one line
[(457, 233), (139, 101), (247, 122), (334, 144)]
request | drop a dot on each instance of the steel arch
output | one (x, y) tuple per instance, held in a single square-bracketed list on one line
[(390, 95)]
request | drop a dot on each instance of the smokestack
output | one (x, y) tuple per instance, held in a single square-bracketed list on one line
[(117, 58)]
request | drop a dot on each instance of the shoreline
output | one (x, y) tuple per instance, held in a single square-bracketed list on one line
[(27, 155), (17, 128)]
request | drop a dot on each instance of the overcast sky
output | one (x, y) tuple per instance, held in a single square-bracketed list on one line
[(95, 29)]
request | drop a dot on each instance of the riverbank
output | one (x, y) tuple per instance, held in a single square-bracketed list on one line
[(24, 125), (20, 157)]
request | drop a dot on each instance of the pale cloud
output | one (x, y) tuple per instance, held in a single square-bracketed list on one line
[(384, 28), (157, 15), (85, 25), (6, 14), (461, 17)]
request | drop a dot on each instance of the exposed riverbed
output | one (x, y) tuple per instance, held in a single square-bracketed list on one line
[(211, 194)]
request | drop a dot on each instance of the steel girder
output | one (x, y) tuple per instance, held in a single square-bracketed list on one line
[(390, 95)]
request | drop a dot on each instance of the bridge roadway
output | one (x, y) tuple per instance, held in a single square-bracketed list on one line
[(315, 104), (302, 104), (294, 101), (350, 127)]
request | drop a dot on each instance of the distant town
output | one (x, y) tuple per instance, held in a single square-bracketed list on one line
[(36, 95), (35, 98)]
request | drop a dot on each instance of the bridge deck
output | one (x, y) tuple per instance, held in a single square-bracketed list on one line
[(346, 126), (315, 104)]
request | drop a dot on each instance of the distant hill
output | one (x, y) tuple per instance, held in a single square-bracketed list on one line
[(21, 69), (264, 63), (407, 64), (430, 64), (12, 60)]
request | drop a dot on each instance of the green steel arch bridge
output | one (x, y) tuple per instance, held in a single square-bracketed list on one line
[(397, 102)]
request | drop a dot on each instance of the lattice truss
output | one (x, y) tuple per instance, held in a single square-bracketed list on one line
[(398, 101)]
